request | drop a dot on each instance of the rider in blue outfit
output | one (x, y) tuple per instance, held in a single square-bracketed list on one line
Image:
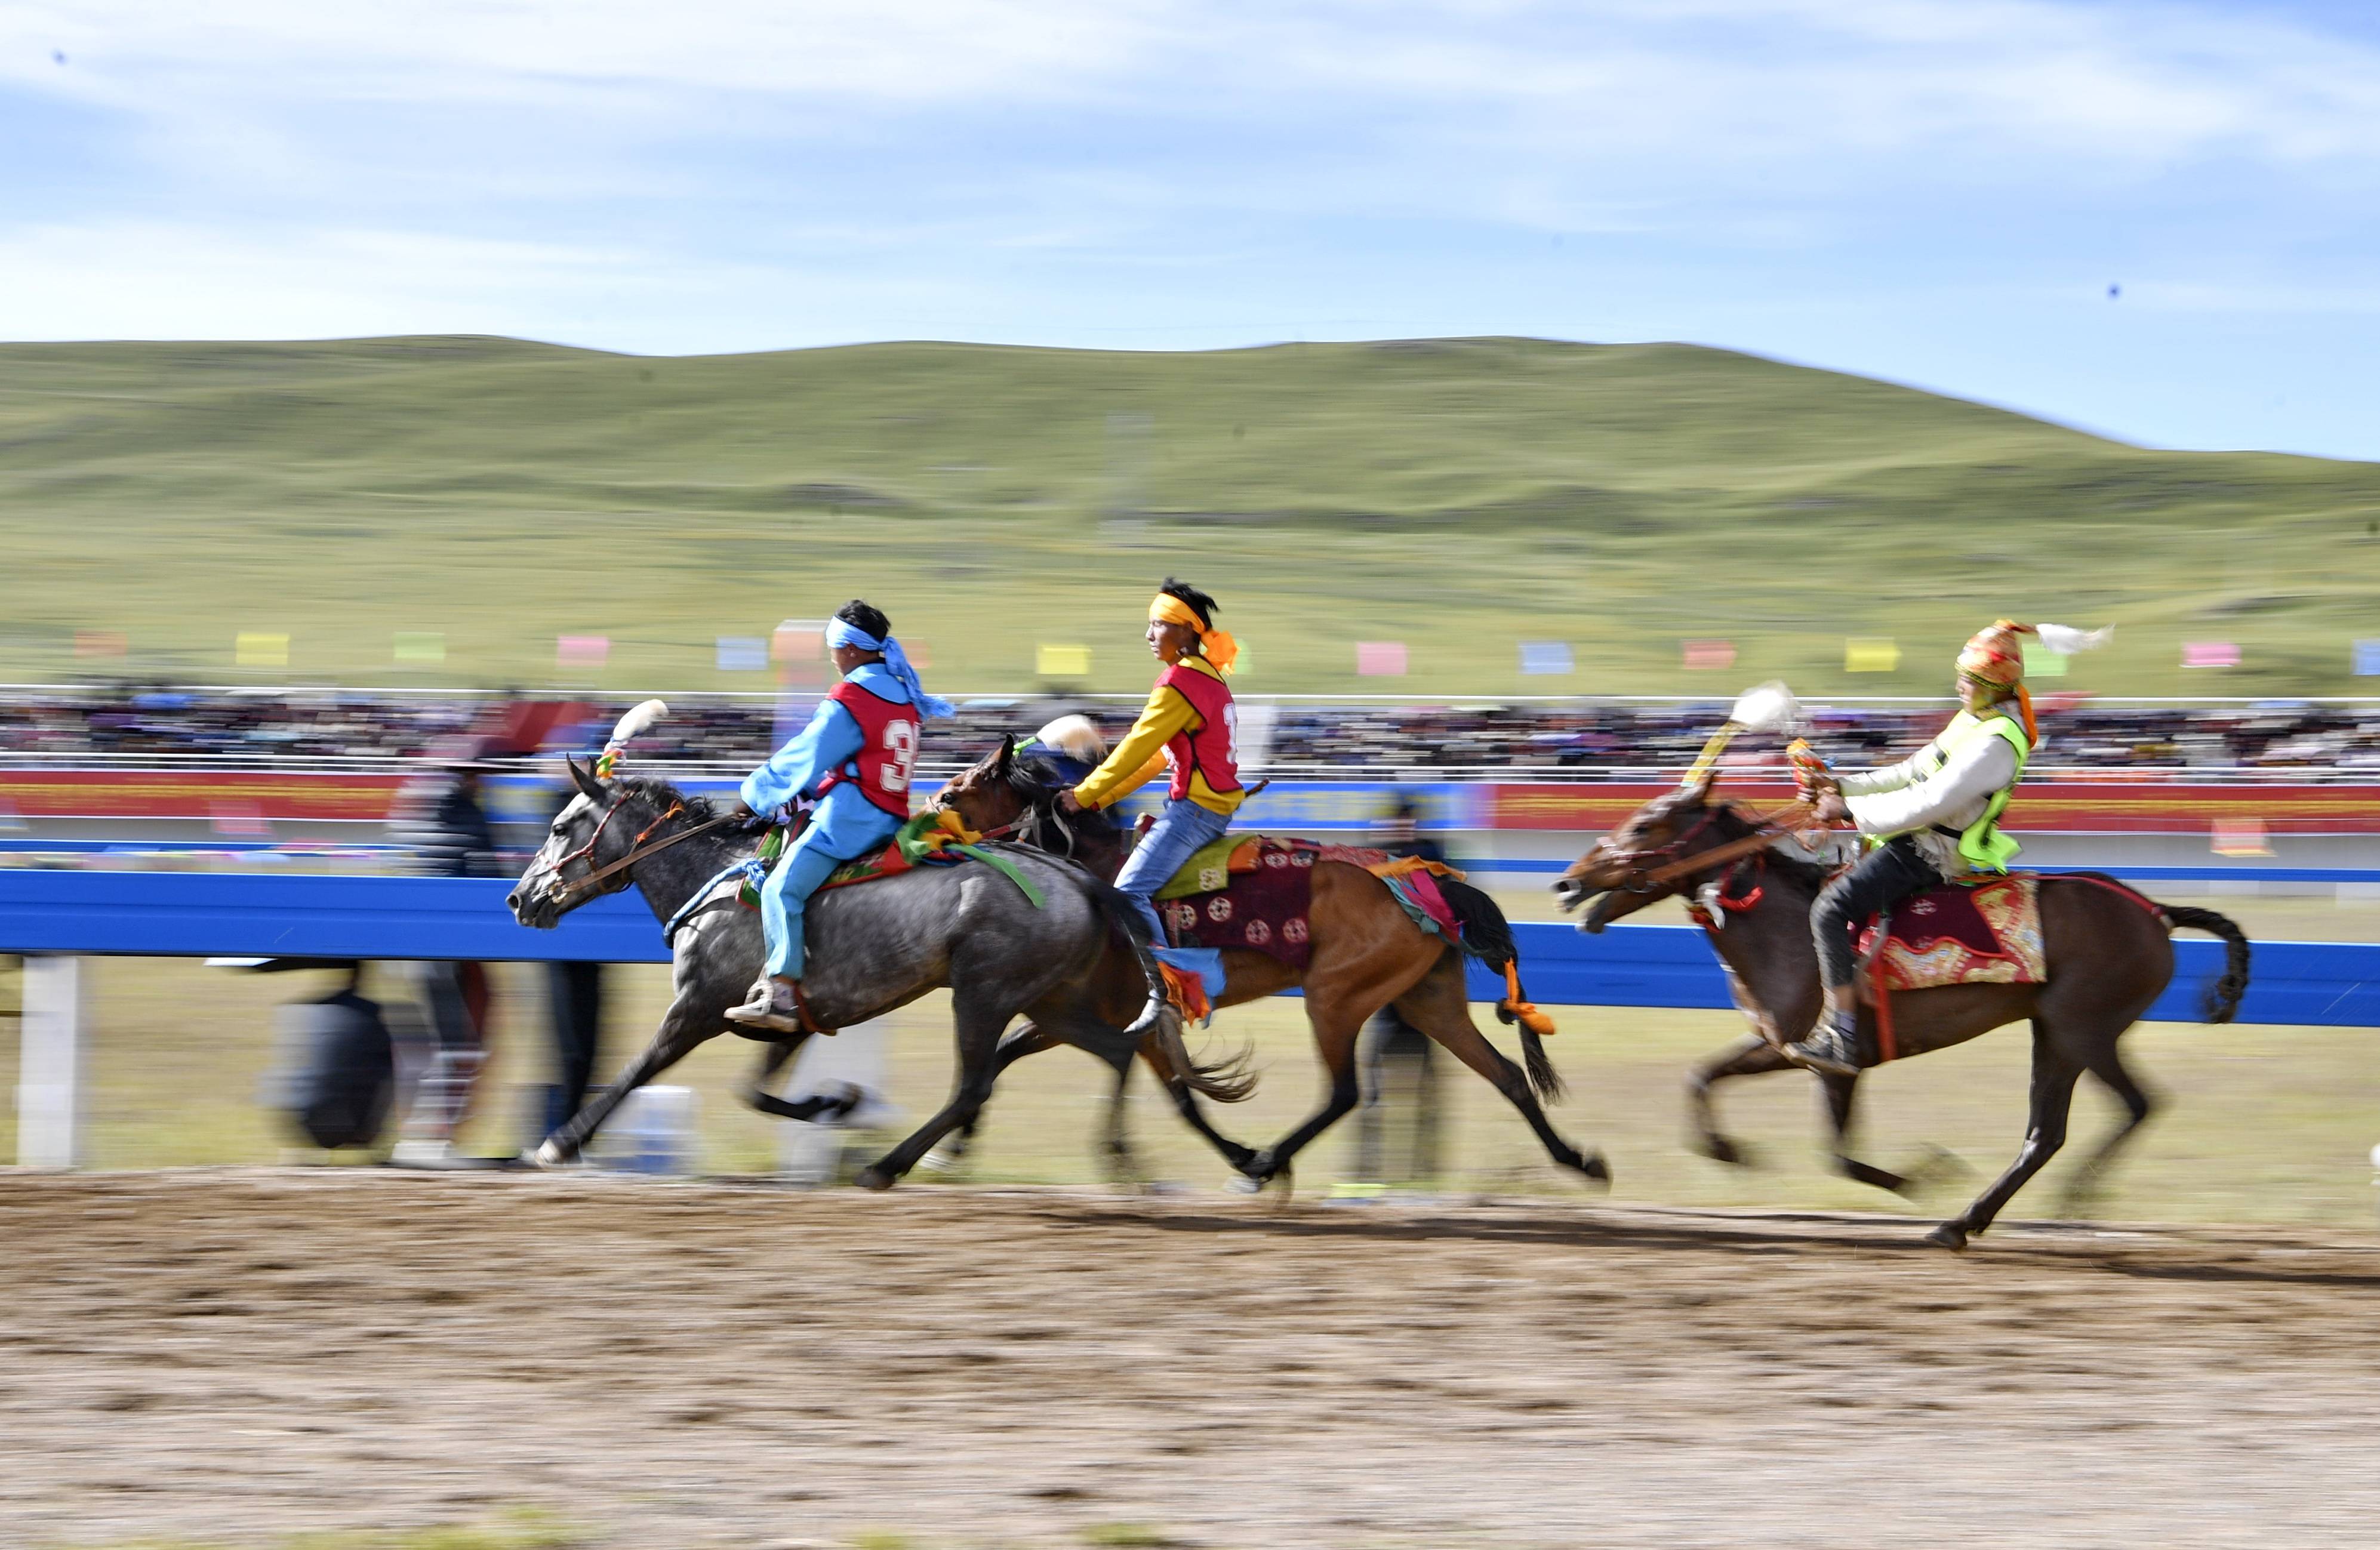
[(853, 761)]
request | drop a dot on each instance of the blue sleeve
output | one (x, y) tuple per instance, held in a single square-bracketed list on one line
[(826, 745)]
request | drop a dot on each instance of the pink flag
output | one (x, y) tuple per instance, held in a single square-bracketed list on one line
[(1703, 654), (581, 651), (2210, 653)]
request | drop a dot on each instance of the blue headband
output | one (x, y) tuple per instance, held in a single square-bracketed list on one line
[(842, 632)]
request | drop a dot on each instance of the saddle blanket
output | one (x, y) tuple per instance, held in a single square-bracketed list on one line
[(1961, 934), (1260, 891), (1255, 894)]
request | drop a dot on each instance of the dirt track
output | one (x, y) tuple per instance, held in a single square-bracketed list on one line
[(234, 1356)]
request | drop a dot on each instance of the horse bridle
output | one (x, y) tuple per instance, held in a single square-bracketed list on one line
[(565, 889), (1645, 877)]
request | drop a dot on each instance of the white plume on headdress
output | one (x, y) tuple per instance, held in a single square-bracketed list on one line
[(1768, 706), (638, 718), (1075, 736), (2066, 640)]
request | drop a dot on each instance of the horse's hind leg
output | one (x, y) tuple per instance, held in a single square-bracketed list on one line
[(2055, 1072), (1749, 1055), (1440, 1007), (1029, 1039), (2108, 1065), (1185, 1103), (978, 1023), (681, 1028)]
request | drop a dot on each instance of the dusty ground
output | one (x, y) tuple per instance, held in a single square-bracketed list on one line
[(237, 1356)]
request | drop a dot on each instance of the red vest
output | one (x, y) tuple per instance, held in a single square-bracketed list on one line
[(1210, 750), (888, 748)]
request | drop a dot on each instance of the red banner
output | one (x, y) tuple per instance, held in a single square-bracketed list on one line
[(2041, 807), (210, 794)]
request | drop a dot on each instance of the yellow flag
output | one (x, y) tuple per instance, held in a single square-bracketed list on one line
[(1874, 655)]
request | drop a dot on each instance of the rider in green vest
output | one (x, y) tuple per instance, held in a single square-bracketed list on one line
[(1928, 819)]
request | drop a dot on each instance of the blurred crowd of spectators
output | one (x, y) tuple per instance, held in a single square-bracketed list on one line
[(1582, 734)]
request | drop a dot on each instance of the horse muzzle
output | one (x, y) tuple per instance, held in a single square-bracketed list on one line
[(1570, 893), (539, 910)]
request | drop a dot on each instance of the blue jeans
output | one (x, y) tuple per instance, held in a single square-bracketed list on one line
[(1179, 829), (783, 895)]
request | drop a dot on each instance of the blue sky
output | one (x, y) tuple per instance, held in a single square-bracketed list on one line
[(1938, 193)]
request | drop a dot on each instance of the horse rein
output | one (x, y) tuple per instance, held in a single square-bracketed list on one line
[(564, 890), (1765, 832)]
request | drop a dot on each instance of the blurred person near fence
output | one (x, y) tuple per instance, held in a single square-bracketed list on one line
[(442, 831), (1399, 1078)]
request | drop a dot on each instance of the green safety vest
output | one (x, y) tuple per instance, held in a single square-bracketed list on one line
[(1984, 846)]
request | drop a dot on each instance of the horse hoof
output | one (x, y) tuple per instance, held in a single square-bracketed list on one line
[(1596, 1170), (874, 1179), (1949, 1235), (550, 1154), (940, 1161), (1246, 1183), (1719, 1149)]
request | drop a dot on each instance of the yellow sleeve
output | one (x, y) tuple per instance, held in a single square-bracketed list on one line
[(1142, 753)]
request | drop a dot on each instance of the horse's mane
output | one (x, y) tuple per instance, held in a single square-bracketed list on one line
[(1037, 776), (660, 794), (1812, 874)]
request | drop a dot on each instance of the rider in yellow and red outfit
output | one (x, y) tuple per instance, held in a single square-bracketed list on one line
[(1189, 725)]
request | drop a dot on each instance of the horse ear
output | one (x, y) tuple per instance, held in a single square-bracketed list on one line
[(585, 781), (1000, 766)]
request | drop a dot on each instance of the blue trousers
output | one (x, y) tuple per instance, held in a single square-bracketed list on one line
[(1179, 829), (784, 895)]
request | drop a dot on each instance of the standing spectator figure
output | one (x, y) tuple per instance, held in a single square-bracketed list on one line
[(443, 832), (1396, 1055), (574, 1008)]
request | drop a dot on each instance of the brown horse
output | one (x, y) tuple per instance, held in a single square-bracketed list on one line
[(2109, 956), (1366, 954)]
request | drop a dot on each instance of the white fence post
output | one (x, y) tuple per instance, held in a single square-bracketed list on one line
[(49, 1079)]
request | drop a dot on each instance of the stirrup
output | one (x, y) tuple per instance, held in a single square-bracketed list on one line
[(762, 1009), (1831, 1048)]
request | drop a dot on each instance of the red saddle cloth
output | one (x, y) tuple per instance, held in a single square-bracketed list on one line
[(1961, 934), (1263, 908)]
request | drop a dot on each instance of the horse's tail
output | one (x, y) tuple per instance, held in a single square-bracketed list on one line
[(1228, 1080), (2222, 996), (1488, 937)]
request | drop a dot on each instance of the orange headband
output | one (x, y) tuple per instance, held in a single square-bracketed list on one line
[(1217, 646)]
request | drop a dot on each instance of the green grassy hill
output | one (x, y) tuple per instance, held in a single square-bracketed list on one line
[(1459, 495)]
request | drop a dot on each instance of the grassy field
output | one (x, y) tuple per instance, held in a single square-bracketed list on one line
[(2260, 1124), (1459, 495)]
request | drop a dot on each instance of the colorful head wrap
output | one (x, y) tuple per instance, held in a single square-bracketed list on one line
[(1995, 657), (1217, 646), (842, 632)]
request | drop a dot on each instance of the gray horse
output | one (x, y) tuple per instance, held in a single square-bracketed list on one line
[(872, 948)]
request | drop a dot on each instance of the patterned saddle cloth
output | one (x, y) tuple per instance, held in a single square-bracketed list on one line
[(1254, 893), (1959, 934)]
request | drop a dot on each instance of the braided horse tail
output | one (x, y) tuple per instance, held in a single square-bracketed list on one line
[(2222, 996), (1488, 937)]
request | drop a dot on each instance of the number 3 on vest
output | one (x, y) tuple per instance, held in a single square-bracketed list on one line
[(901, 749)]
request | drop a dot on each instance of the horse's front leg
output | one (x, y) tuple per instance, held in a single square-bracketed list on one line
[(1748, 1056), (685, 1024), (818, 1106)]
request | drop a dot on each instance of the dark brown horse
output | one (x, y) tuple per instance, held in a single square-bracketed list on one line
[(1366, 954), (2108, 950)]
